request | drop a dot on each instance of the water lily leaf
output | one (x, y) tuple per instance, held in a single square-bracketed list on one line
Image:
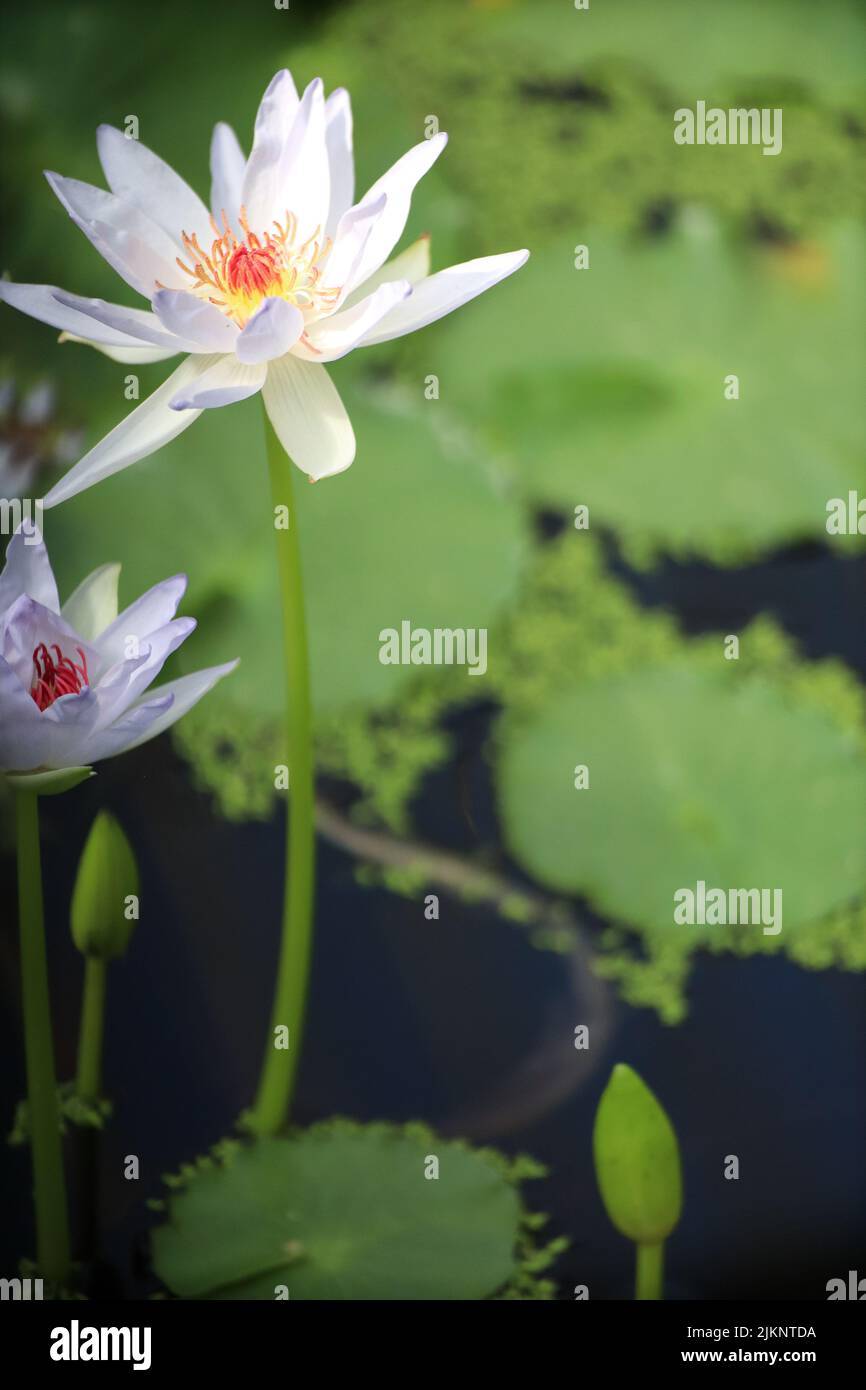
[(417, 529), (343, 1211), (622, 404), (637, 1159), (190, 508), (693, 776)]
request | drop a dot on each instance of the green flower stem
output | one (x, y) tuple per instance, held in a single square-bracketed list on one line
[(88, 1081), (276, 1083), (649, 1271), (52, 1225)]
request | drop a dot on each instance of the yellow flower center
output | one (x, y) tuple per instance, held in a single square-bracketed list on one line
[(237, 275)]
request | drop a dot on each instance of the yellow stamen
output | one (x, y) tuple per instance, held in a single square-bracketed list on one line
[(237, 275)]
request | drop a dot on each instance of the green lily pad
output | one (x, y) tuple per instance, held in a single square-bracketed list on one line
[(693, 775), (190, 508), (343, 1211), (419, 528), (620, 401)]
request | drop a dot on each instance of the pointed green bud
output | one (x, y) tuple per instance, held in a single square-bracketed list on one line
[(637, 1159), (105, 898)]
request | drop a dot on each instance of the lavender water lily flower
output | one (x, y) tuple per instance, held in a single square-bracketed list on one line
[(74, 680), (284, 274)]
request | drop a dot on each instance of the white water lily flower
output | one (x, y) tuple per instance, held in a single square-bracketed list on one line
[(74, 680), (284, 274)]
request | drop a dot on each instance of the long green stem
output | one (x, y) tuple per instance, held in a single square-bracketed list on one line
[(276, 1083), (52, 1227), (88, 1081), (649, 1271)]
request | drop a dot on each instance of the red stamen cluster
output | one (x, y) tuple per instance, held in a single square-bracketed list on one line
[(251, 270), (56, 675)]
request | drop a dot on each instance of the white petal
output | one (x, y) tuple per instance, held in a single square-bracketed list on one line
[(41, 302), (274, 121), (444, 292), (176, 698), (226, 382), (277, 110), (146, 615), (195, 320), (133, 356), (308, 416), (333, 337), (135, 324), (137, 174), (292, 176), (132, 243), (93, 605), (273, 329), (227, 165), (338, 138), (413, 265), (345, 262), (397, 184), (302, 178), (28, 571), (144, 430)]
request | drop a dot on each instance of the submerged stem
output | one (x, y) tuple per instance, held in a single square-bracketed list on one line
[(49, 1188), (276, 1083)]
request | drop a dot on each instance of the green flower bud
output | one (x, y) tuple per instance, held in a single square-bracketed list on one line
[(637, 1159), (105, 898)]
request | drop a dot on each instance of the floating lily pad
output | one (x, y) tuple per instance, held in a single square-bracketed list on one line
[(419, 528), (692, 776), (343, 1212), (190, 508), (620, 399)]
